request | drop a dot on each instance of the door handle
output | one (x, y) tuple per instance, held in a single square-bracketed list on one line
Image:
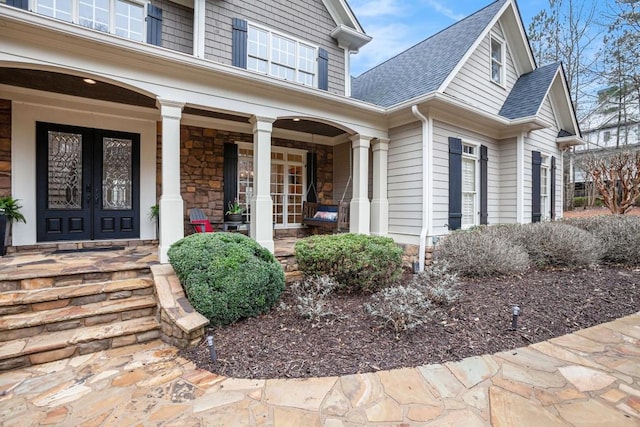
[(97, 199)]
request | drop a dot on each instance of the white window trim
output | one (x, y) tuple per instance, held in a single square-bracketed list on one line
[(75, 16), (269, 60), (476, 201), (283, 150), (545, 198), (503, 55)]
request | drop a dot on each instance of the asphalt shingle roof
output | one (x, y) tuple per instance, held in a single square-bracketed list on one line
[(422, 68), (528, 93)]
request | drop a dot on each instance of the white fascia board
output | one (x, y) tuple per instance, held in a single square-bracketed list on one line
[(562, 100), (569, 141), (349, 39), (342, 14)]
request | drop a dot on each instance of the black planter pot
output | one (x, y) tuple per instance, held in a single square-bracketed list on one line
[(234, 217), (3, 232)]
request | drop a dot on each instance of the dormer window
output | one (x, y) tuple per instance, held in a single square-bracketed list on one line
[(281, 56), (497, 61)]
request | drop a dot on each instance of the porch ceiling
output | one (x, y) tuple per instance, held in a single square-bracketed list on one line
[(67, 84), (308, 126)]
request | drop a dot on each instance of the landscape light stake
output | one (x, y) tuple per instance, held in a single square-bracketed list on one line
[(514, 318), (212, 349)]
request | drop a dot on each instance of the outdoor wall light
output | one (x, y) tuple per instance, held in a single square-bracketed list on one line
[(514, 318), (212, 349), (89, 81)]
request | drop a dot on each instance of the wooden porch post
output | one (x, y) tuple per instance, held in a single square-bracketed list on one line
[(171, 204), (380, 203), (360, 208), (261, 203)]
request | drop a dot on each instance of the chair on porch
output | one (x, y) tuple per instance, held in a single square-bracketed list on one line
[(199, 221)]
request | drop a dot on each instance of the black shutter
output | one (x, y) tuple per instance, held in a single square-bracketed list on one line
[(20, 4), (154, 25), (455, 183), (484, 202), (323, 69), (553, 187), (536, 161), (312, 177), (230, 174), (239, 43)]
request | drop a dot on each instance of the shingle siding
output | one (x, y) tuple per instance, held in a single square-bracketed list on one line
[(177, 26), (306, 20)]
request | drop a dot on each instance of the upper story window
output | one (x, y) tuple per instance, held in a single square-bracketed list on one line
[(497, 61), (281, 56), (123, 18)]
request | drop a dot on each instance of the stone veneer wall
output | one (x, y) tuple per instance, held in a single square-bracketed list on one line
[(5, 147), (202, 169)]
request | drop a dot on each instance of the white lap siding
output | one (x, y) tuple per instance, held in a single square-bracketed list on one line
[(508, 182), (441, 133), (405, 179)]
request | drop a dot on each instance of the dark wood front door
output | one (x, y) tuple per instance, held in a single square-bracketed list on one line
[(88, 183)]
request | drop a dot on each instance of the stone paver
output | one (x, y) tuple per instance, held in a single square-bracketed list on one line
[(589, 378)]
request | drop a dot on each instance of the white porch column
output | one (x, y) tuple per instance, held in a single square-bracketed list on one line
[(261, 203), (171, 205), (380, 203), (360, 208)]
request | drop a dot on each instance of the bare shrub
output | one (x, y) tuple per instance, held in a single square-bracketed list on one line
[(479, 253), (402, 307), (557, 244), (311, 294), (438, 283), (619, 236)]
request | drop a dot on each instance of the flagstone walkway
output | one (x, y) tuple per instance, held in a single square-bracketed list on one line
[(590, 378)]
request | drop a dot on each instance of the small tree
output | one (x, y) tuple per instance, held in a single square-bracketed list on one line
[(616, 174)]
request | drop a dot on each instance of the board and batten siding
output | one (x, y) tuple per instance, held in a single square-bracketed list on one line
[(305, 20), (473, 83), (543, 140), (441, 133), (404, 175), (177, 26)]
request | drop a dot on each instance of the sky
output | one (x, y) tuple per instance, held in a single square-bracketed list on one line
[(396, 25)]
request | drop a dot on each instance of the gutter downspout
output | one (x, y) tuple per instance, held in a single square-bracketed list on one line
[(520, 139), (427, 183)]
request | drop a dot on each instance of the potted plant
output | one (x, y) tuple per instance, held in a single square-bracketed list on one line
[(9, 213), (154, 216), (234, 213)]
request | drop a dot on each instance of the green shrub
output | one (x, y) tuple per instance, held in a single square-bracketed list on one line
[(402, 307), (579, 202), (227, 276), (557, 244), (357, 262), (619, 236), (480, 253)]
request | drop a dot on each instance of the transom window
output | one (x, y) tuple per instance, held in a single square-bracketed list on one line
[(281, 56), (287, 183), (469, 186), (497, 61), (123, 18)]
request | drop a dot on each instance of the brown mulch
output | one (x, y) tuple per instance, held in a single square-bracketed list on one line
[(281, 344)]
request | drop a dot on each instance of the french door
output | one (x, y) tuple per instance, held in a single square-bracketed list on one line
[(88, 183)]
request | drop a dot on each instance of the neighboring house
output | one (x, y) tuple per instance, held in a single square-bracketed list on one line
[(614, 123), (115, 104)]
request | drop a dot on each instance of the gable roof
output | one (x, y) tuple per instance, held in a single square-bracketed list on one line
[(422, 68), (529, 92)]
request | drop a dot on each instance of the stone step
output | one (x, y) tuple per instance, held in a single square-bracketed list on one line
[(75, 316), (57, 345), (57, 295)]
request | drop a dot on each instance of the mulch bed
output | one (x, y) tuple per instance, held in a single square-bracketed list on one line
[(281, 344)]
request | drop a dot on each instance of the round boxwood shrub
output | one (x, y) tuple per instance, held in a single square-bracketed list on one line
[(227, 276), (356, 261)]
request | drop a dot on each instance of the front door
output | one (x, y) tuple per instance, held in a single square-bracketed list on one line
[(88, 183)]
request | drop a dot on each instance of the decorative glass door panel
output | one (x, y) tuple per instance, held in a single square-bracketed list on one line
[(87, 183)]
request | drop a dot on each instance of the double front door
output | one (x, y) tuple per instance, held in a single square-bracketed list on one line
[(88, 183)]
